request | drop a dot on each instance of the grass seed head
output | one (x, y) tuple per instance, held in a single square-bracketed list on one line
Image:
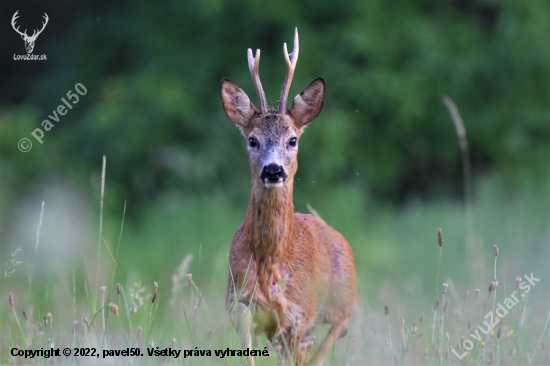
[(190, 279), (25, 315), (102, 290), (495, 250), (499, 333), (466, 295), (436, 306), (493, 285), (477, 293), (155, 290), (11, 300), (518, 282), (133, 308), (118, 288), (113, 308), (422, 318), (445, 287), (386, 310), (446, 305), (414, 328), (402, 322), (50, 317), (440, 237)]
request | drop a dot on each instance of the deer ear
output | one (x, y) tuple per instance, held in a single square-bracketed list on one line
[(308, 104), (236, 103)]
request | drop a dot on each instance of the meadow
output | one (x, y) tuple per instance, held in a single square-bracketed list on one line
[(99, 296)]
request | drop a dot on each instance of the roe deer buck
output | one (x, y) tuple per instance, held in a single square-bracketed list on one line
[(288, 271)]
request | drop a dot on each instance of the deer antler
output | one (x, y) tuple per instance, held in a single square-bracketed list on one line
[(15, 16), (291, 66), (43, 26), (254, 65)]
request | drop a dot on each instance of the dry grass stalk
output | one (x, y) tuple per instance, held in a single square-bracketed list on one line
[(522, 318), (178, 278), (387, 312), (100, 236), (465, 154)]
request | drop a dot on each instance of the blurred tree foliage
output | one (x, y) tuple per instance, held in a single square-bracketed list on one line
[(152, 70)]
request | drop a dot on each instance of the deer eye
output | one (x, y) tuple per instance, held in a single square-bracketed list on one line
[(292, 141), (252, 142)]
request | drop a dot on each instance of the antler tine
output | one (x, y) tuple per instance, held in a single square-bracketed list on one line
[(13, 19), (46, 18), (254, 66), (291, 66)]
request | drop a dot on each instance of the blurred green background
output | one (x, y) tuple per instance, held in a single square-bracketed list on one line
[(383, 154)]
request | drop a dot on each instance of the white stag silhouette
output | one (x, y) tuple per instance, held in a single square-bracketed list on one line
[(29, 41)]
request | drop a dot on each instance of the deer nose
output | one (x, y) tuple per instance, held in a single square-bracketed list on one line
[(273, 173)]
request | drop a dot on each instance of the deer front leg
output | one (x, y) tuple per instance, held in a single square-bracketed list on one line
[(241, 318), (338, 330)]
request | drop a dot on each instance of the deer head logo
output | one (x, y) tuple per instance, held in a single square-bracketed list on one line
[(29, 41)]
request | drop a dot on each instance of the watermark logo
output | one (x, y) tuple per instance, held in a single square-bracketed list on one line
[(29, 40), (501, 311), (25, 145)]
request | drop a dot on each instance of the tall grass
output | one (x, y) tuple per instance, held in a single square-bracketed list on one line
[(184, 322)]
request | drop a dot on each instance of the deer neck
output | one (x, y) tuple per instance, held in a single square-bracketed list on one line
[(270, 221)]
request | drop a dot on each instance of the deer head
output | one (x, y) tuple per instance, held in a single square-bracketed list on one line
[(29, 41), (272, 135)]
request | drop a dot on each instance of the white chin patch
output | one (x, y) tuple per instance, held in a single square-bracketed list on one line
[(273, 185)]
